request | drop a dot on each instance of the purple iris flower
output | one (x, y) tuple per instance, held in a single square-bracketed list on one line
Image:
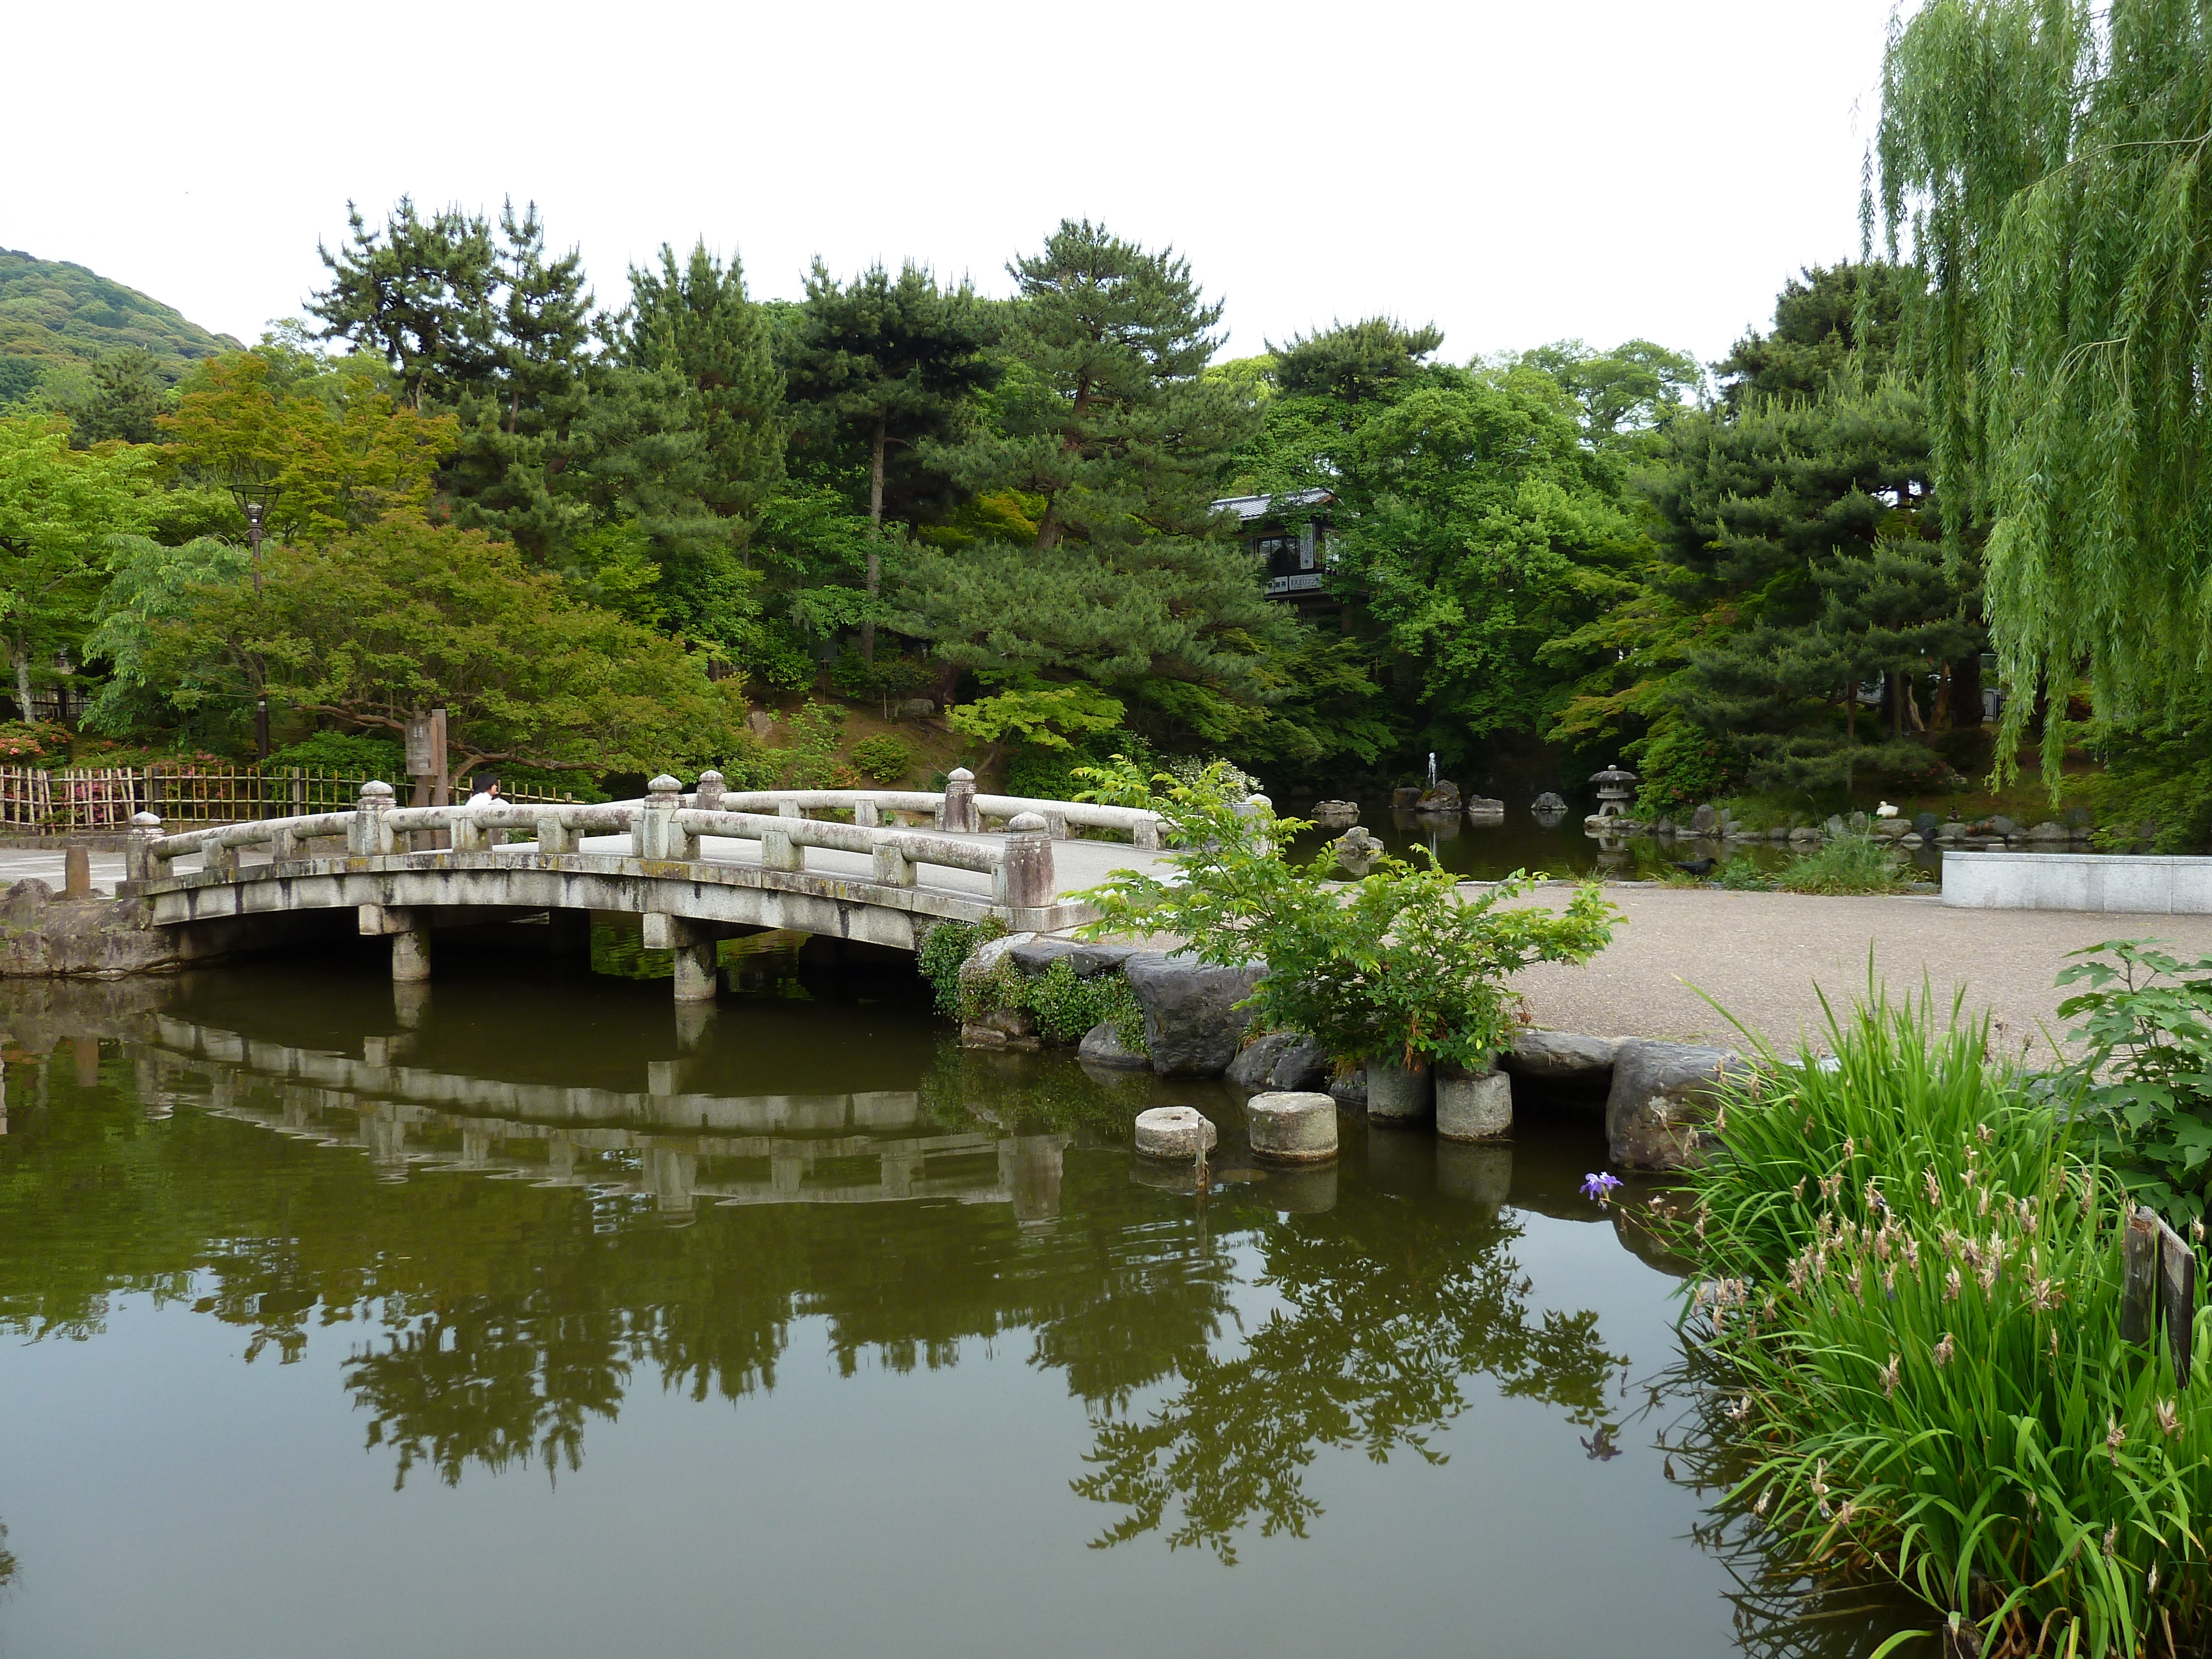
[(1600, 1187)]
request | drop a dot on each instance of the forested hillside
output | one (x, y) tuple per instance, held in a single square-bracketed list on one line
[(58, 321)]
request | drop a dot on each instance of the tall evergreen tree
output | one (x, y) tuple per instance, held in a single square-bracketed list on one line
[(695, 321), (127, 397), (517, 423), (1353, 362), (887, 362), (418, 293), (1113, 444)]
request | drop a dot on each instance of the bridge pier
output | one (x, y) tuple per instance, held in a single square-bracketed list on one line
[(410, 933), (697, 975)]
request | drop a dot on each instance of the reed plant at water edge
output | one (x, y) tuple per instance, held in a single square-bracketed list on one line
[(1909, 1288)]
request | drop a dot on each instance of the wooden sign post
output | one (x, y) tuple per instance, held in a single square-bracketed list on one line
[(2158, 1279)]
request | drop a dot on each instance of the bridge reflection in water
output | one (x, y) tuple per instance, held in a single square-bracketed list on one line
[(674, 1146)]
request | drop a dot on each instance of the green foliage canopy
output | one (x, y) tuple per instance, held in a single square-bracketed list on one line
[(2045, 162)]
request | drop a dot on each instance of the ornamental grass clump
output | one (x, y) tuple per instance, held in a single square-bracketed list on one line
[(1909, 1295), (1845, 863)]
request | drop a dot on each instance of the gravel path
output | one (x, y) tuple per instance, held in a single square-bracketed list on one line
[(1765, 956)]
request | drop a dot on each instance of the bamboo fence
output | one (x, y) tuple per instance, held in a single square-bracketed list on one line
[(39, 802)]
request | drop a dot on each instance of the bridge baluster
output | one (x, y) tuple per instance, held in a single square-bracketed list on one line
[(1025, 880), (555, 837), (710, 792), (960, 815), (893, 867), (139, 863), (658, 835), (219, 858), (370, 836)]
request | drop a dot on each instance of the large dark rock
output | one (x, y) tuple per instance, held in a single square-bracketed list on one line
[(1350, 1090), (1193, 1026), (43, 937), (1663, 1096), (1443, 798), (1089, 959), (1548, 802), (1562, 1058), (1103, 1046), (1703, 821), (1251, 1069), (1040, 954), (1281, 1062), (1303, 1065)]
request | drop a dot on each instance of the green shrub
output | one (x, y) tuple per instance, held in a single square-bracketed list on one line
[(1907, 1297), (1846, 864), (2147, 1068), (886, 759), (348, 754), (811, 760), (1680, 767), (943, 949), (1067, 1007), (1399, 964), (1740, 875)]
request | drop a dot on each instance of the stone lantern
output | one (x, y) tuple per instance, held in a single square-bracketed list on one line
[(1614, 787)]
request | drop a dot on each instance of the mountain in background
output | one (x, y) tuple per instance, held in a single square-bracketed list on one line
[(57, 319)]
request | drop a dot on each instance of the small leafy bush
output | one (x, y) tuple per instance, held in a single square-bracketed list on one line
[(1740, 875), (1067, 1007), (884, 759), (811, 760), (1846, 864), (1680, 767), (943, 949), (2147, 1020), (1400, 965)]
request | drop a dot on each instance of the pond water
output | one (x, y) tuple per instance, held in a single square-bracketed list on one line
[(512, 1316), (1561, 846)]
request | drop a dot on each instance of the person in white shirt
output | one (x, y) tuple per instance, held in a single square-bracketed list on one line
[(487, 792)]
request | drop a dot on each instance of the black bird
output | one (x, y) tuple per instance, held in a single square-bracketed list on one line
[(1695, 866)]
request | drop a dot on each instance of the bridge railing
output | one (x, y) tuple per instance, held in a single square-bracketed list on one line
[(662, 827)]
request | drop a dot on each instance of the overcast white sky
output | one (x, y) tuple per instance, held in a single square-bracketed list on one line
[(1517, 172)]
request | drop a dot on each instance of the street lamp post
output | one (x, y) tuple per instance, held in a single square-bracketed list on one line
[(260, 701)]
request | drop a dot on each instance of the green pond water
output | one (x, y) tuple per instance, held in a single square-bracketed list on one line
[(516, 1317)]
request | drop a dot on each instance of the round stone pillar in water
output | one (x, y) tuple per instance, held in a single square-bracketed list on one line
[(1175, 1132), (1473, 1105), (1291, 1128), (1399, 1094)]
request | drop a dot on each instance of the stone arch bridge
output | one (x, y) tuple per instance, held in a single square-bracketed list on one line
[(697, 868)]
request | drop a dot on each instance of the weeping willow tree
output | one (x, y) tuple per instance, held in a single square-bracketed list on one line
[(2046, 163)]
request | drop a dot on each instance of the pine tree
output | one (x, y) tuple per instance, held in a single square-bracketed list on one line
[(419, 294), (1115, 443), (127, 397), (887, 362), (517, 425), (695, 322)]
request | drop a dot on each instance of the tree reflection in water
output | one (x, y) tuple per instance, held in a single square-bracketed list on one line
[(1388, 1316), (498, 1318)]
